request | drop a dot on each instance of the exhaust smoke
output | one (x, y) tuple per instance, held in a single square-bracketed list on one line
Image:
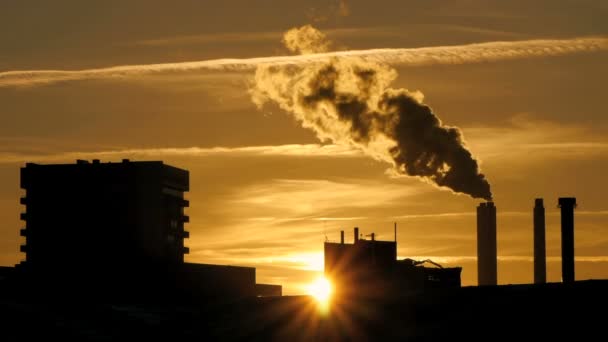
[(350, 102)]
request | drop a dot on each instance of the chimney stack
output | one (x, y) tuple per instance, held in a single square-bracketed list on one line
[(341, 237), (540, 263), (356, 235), (567, 205), (486, 244)]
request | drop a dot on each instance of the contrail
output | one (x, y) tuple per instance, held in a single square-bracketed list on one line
[(288, 150), (456, 54)]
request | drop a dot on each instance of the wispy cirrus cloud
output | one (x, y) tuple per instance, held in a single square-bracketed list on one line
[(456, 54), (297, 197), (523, 136), (262, 36), (456, 215), (528, 139), (294, 150)]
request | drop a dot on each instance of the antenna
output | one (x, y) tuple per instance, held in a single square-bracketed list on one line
[(395, 232), (395, 240)]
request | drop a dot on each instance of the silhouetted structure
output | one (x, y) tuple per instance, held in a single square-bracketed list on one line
[(567, 205), (486, 244), (540, 264), (119, 228), (104, 215), (268, 290), (370, 268)]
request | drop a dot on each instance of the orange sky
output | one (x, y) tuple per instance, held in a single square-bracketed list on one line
[(264, 193)]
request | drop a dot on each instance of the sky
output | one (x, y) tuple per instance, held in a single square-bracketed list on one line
[(152, 80)]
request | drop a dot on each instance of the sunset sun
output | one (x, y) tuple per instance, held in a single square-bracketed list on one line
[(321, 289)]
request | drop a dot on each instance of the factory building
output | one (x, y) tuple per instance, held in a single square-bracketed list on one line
[(370, 268)]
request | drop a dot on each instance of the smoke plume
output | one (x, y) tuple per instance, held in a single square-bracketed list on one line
[(306, 40), (350, 101)]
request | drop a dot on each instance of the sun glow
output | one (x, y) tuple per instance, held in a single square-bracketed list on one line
[(321, 289)]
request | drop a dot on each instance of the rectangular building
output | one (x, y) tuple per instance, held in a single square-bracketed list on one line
[(103, 215)]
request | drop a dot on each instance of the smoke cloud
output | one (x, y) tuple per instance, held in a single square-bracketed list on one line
[(350, 102), (306, 40)]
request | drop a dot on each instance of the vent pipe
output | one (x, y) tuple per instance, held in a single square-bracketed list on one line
[(567, 205), (540, 263)]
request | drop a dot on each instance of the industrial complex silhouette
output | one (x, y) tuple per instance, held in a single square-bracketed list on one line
[(370, 268), (105, 245), (91, 223)]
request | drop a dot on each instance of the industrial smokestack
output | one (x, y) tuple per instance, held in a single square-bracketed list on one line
[(341, 237), (356, 235), (486, 244), (540, 264), (567, 205)]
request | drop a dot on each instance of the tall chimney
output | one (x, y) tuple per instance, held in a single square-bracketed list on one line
[(356, 235), (486, 244), (567, 205), (540, 263), (341, 237)]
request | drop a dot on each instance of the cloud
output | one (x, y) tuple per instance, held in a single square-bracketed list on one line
[(532, 140), (456, 215), (335, 10), (293, 150), (316, 198), (230, 37), (456, 54), (262, 36)]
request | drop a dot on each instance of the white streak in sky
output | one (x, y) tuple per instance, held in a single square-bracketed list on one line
[(456, 54), (289, 150)]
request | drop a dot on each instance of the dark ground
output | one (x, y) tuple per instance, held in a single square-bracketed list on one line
[(548, 312)]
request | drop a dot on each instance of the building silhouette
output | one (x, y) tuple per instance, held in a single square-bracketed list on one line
[(540, 263), (117, 227), (370, 268), (567, 205), (486, 244), (104, 214)]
